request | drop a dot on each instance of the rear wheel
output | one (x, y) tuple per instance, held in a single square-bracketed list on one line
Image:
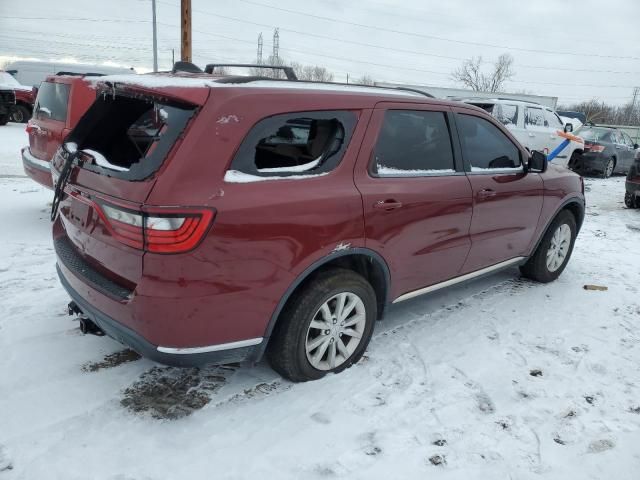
[(554, 251), (325, 328), (608, 168), (4, 119), (20, 114), (575, 162), (631, 201)]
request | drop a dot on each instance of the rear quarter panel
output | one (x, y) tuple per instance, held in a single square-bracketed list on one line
[(264, 233)]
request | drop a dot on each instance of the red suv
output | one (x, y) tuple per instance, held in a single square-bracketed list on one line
[(61, 101), (200, 220)]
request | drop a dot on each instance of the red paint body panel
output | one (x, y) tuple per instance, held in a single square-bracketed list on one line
[(266, 234), (46, 135)]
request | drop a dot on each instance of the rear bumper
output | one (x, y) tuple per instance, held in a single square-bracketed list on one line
[(633, 187), (240, 351), (591, 162), (36, 169)]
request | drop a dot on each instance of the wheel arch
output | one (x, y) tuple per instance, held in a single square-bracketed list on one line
[(575, 206), (364, 261)]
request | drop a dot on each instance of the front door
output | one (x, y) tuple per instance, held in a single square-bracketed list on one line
[(416, 197), (537, 129), (506, 201)]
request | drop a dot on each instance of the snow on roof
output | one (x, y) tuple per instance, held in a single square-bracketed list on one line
[(163, 81)]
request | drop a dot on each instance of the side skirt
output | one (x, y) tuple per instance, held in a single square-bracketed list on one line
[(462, 278)]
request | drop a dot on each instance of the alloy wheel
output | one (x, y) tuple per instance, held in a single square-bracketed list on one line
[(335, 331), (559, 247)]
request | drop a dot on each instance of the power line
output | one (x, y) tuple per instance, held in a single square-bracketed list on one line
[(435, 37)]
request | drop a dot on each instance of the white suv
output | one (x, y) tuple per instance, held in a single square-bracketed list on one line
[(534, 125)]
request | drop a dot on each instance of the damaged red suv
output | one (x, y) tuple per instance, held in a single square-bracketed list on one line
[(206, 220)]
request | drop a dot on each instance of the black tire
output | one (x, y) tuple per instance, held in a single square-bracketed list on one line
[(287, 348), (631, 201), (4, 119), (575, 162), (20, 114), (608, 168), (536, 267)]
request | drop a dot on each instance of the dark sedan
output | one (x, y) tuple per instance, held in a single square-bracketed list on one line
[(607, 150)]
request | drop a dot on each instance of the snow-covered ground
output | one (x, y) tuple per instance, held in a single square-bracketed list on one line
[(498, 379)]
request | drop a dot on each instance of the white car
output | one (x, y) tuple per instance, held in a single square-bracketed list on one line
[(535, 126)]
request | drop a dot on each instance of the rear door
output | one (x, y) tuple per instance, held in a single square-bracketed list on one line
[(49, 119), (627, 151), (537, 129), (417, 199), (506, 201)]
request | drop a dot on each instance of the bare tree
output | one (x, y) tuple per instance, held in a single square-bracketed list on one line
[(470, 74), (597, 111), (313, 73), (365, 80)]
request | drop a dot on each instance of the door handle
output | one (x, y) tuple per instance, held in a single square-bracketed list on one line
[(486, 193), (387, 205)]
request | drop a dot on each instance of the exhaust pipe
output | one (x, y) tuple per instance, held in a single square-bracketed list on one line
[(87, 326)]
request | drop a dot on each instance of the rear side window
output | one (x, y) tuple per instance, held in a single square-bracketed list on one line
[(129, 137), (413, 143), (534, 117), (303, 143), (485, 146), (52, 101)]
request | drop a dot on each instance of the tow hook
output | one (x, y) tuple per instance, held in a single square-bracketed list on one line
[(86, 324)]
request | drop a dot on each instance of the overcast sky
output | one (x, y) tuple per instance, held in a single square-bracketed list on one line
[(574, 50)]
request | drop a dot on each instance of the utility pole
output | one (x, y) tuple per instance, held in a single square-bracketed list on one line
[(259, 55), (155, 37), (276, 46), (185, 30), (636, 90)]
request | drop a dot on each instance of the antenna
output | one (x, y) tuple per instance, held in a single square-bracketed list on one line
[(259, 56), (276, 44)]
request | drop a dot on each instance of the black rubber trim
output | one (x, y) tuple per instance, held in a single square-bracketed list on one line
[(137, 342), (375, 257), (69, 257)]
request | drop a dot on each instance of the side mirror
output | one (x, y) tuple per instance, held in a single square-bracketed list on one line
[(537, 162), (568, 127)]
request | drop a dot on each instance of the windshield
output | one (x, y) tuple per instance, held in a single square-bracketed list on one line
[(595, 134), (7, 79)]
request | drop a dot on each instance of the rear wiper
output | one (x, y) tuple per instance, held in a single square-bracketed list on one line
[(63, 179)]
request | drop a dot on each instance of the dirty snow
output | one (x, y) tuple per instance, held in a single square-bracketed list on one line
[(501, 378)]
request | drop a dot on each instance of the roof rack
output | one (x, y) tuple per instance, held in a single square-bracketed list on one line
[(288, 71)]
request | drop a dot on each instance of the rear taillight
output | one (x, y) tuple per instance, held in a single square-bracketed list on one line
[(162, 230), (595, 148)]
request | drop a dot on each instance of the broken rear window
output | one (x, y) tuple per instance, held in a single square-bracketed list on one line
[(129, 137), (295, 143)]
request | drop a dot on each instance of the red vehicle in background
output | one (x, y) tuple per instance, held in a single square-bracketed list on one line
[(61, 101)]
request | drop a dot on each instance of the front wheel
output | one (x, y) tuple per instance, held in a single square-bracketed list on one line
[(325, 328), (631, 201), (20, 114), (554, 251)]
